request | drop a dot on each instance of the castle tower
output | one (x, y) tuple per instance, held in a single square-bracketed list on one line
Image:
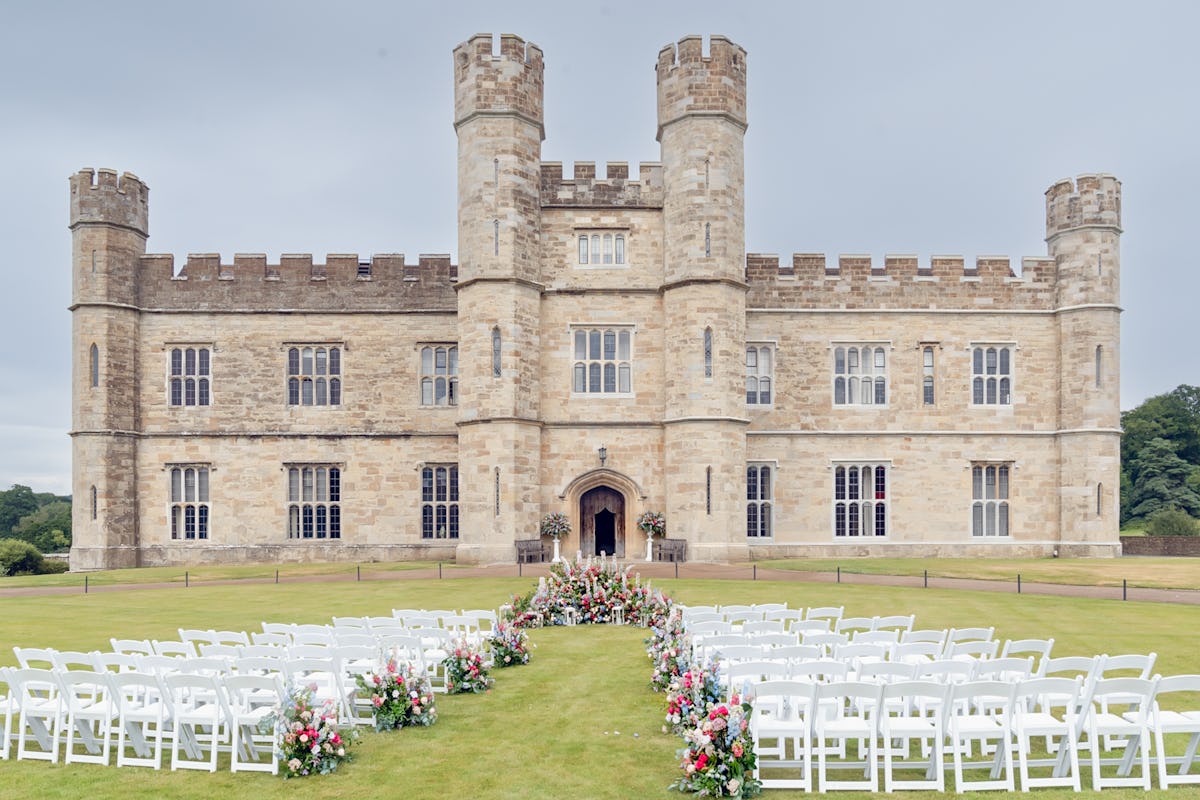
[(701, 127), (1083, 232), (498, 119), (109, 227)]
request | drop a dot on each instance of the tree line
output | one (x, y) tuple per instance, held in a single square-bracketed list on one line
[(1160, 463)]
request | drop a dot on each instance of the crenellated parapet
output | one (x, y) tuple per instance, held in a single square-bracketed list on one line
[(487, 84), (690, 83), (101, 197), (1086, 201), (811, 281), (344, 282), (584, 189)]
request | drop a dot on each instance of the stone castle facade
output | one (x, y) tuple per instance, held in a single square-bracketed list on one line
[(604, 346)]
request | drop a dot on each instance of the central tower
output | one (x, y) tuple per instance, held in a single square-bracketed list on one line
[(701, 127), (498, 119)]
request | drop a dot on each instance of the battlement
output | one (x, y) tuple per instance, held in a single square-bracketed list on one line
[(583, 188), (99, 196), (1088, 200), (344, 282), (690, 83), (488, 84), (810, 280)]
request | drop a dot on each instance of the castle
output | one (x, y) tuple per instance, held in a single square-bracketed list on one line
[(605, 346)]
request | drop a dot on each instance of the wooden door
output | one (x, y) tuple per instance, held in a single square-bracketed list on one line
[(602, 522)]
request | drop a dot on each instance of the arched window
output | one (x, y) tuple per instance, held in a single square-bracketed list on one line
[(583, 249), (314, 376), (603, 361), (94, 364), (314, 502), (859, 375), (708, 353), (759, 372), (191, 373), (620, 254), (991, 382), (927, 376), (989, 500), (496, 352)]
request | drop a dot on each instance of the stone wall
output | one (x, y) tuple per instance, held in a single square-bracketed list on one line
[(1160, 546)]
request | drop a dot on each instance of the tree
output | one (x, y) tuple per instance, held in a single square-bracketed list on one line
[(48, 529), (17, 502), (1160, 480), (1174, 416)]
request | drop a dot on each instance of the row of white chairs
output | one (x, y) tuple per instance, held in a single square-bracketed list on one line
[(917, 725), (881, 644), (759, 612), (87, 715)]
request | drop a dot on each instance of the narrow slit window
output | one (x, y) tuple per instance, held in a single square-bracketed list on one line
[(1099, 365), (496, 352), (707, 239), (94, 364), (496, 236), (708, 352)]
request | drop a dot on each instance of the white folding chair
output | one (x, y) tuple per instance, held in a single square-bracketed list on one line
[(780, 717), (830, 613), (75, 661), (772, 640), (143, 718), (898, 623), (981, 711), (1120, 714), (251, 699), (8, 709), (322, 638), (973, 650), (485, 620), (854, 624), (889, 637), (353, 623), (820, 670), (278, 628), (917, 652), (1175, 721), (763, 626), (234, 638), (117, 662), (40, 718), (220, 651), (784, 615), (1038, 648), (196, 636), (35, 657), (768, 608), (90, 711), (803, 626), (323, 676), (829, 642), (180, 649), (1033, 716), (132, 646), (740, 678), (846, 711), (913, 711), (200, 716), (273, 639), (924, 635)]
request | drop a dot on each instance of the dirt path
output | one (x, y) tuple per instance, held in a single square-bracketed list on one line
[(660, 570)]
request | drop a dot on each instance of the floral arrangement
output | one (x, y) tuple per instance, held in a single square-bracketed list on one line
[(652, 523), (307, 739), (509, 645), (556, 525), (689, 694), (466, 671), (589, 591), (670, 648), (718, 759), (400, 695)]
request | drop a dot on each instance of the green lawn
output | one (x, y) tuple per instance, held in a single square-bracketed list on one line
[(562, 727), (1159, 573)]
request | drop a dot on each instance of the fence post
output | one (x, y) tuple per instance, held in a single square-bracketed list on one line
[(439, 570), (1018, 583), (359, 572), (926, 579), (185, 579), (676, 569), (1124, 588), (755, 574), (839, 569), (85, 582), (277, 576)]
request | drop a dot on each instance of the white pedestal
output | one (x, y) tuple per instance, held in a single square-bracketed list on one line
[(557, 557), (649, 548)]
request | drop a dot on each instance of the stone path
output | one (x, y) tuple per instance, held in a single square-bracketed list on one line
[(660, 570)]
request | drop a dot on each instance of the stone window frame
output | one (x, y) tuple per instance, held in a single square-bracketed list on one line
[(189, 381), (601, 248), (991, 501), (440, 501), (991, 386), (437, 386), (589, 366), (311, 385), (757, 374), (760, 500), (928, 355), (314, 500), (851, 374), (859, 513), (189, 504)]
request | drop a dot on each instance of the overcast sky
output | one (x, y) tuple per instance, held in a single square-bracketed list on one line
[(875, 127)]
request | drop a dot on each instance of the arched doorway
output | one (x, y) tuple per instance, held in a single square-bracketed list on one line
[(602, 522)]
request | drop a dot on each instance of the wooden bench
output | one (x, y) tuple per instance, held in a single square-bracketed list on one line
[(670, 549), (530, 551)]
